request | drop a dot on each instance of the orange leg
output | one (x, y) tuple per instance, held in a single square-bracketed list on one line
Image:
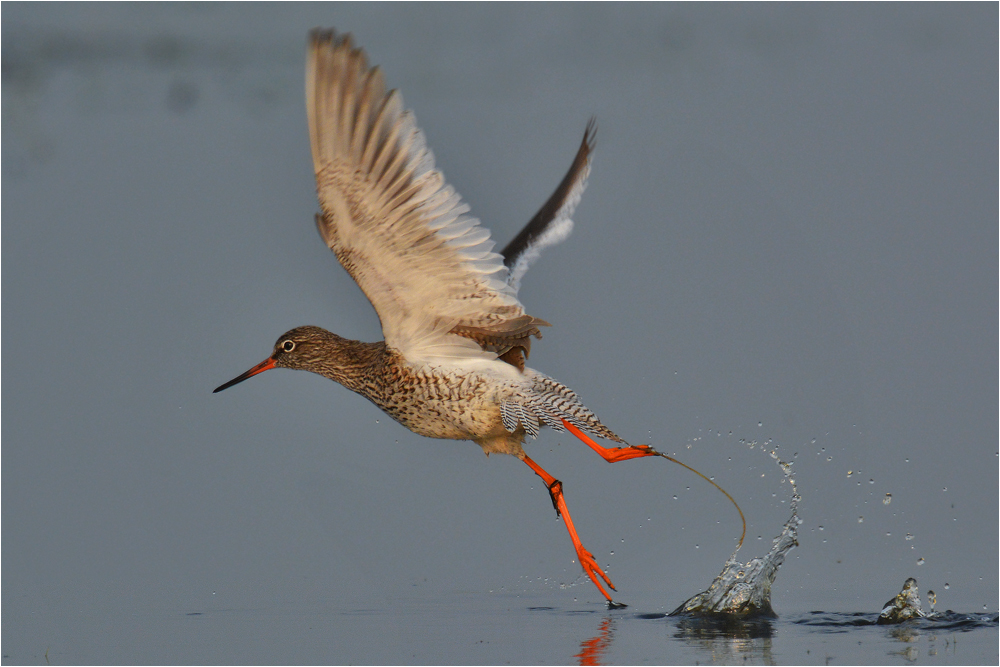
[(586, 558), (612, 455)]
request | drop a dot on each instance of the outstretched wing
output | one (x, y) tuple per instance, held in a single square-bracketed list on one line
[(552, 224), (395, 225)]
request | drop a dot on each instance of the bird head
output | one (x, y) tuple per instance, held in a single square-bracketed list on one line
[(301, 348)]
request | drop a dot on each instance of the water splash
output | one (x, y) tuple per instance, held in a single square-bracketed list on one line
[(904, 606), (744, 589)]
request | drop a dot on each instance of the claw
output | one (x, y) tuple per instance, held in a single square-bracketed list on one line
[(591, 567), (625, 453)]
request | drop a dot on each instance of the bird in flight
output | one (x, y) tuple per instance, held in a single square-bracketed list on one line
[(453, 362)]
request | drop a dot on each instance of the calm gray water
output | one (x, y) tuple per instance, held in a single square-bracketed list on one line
[(789, 238), (473, 628)]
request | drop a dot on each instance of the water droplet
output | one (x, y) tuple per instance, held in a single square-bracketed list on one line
[(850, 472), (907, 460), (871, 481), (947, 586), (909, 537), (861, 519), (887, 499), (920, 561), (932, 599), (697, 547), (888, 534), (612, 553), (945, 488), (760, 423), (829, 458), (821, 527), (675, 496)]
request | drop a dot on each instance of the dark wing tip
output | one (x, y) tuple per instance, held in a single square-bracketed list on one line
[(547, 213), (590, 135)]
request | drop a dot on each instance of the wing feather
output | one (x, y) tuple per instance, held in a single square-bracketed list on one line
[(401, 232)]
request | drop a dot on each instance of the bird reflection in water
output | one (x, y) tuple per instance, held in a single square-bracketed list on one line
[(592, 650), (729, 640)]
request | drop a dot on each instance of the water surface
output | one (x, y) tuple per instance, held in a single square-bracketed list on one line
[(484, 628)]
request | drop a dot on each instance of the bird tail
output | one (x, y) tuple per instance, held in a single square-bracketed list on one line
[(550, 403)]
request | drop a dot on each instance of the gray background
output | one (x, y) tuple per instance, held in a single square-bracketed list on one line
[(790, 236)]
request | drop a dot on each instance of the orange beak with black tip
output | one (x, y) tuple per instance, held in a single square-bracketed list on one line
[(265, 365)]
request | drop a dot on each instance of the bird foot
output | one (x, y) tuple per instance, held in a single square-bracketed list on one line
[(616, 605), (594, 570), (625, 453), (615, 454)]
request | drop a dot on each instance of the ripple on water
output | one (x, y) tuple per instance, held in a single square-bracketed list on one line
[(937, 621)]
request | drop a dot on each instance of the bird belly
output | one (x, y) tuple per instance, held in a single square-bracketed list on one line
[(465, 418), (453, 407)]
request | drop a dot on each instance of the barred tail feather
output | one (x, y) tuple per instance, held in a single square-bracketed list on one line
[(548, 403)]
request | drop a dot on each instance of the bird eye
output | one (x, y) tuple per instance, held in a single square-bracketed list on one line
[(288, 345)]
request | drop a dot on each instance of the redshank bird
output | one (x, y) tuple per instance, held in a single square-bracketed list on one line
[(452, 364)]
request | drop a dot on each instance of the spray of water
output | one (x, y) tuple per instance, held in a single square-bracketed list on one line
[(744, 589), (904, 606)]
